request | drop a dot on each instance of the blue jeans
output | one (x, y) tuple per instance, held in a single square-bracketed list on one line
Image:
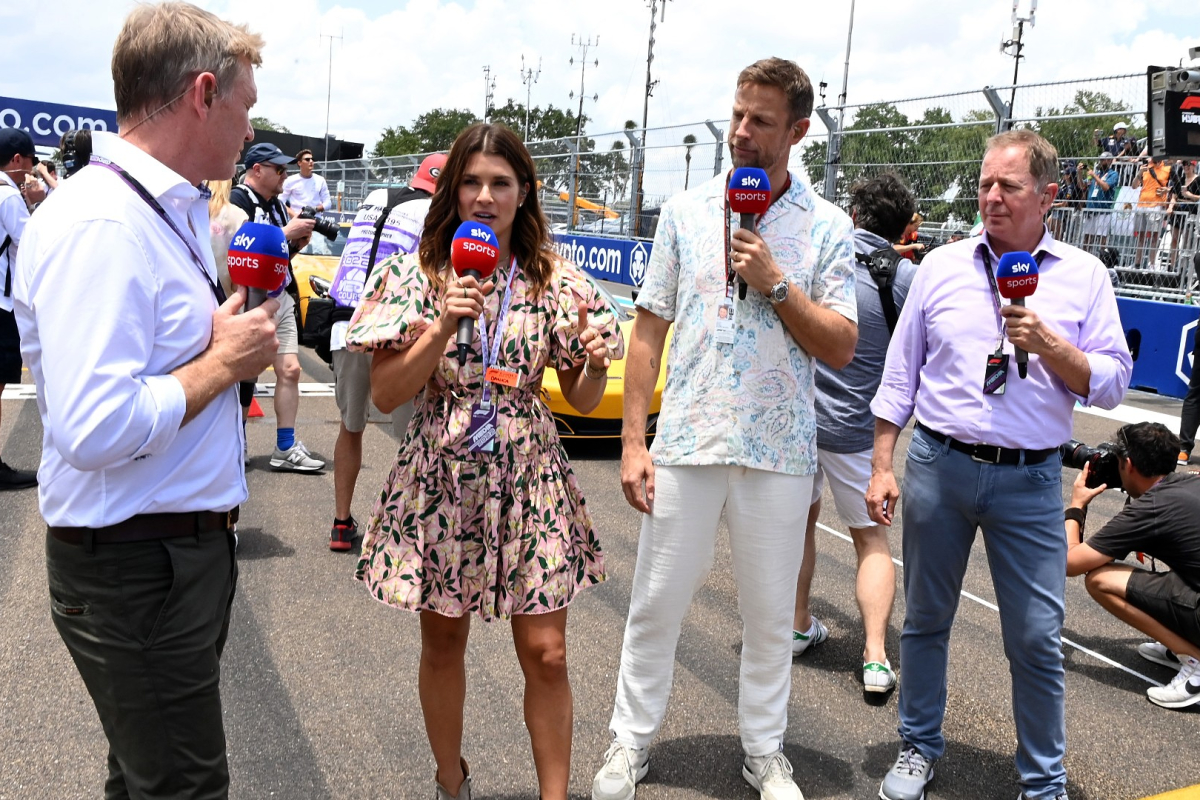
[(947, 496)]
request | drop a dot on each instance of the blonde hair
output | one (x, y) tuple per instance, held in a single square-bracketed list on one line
[(220, 196), (163, 47)]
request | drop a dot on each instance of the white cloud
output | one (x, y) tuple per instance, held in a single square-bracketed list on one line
[(392, 65)]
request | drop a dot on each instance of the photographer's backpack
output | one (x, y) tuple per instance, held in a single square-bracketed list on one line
[(882, 264)]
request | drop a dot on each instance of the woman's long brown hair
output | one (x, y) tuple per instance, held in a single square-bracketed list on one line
[(530, 239)]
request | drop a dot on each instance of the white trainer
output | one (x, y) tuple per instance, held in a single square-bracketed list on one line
[(295, 459), (1183, 690), (771, 776), (878, 677), (1158, 653), (816, 634), (623, 767)]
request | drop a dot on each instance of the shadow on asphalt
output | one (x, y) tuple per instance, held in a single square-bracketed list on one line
[(253, 544), (1080, 664)]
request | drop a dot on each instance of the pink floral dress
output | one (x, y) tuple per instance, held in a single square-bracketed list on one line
[(498, 533)]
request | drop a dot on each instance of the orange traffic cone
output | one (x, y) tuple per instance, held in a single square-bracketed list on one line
[(255, 408)]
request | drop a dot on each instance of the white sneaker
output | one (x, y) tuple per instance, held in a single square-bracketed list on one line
[(908, 777), (1181, 692), (816, 634), (1159, 654), (623, 767), (771, 776), (295, 459), (878, 677)]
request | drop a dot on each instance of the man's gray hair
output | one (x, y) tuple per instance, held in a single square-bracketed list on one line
[(1043, 157)]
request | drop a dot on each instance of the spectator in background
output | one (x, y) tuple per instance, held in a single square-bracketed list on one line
[(1067, 201), (48, 175), (1101, 188), (908, 246), (1153, 202), (1118, 143), (880, 208), (305, 189), (1183, 208), (17, 160)]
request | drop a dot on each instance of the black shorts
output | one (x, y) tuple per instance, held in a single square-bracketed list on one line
[(10, 349), (1168, 598)]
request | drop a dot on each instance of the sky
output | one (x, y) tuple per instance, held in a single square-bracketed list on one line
[(393, 61)]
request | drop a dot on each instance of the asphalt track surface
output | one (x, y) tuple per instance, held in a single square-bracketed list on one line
[(319, 680)]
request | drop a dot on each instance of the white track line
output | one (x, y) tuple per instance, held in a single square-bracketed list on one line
[(994, 607)]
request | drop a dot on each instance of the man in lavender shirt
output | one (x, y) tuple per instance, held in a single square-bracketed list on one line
[(988, 459)]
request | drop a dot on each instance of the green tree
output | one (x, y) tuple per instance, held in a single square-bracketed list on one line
[(1076, 138), (264, 124), (432, 131)]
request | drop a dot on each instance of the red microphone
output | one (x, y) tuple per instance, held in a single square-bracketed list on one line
[(749, 194), (1017, 278), (258, 260), (474, 251)]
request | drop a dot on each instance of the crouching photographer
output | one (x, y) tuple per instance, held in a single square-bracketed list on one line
[(1160, 519)]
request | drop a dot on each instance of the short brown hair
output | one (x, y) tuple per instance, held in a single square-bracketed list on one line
[(163, 47), (1043, 157), (530, 239), (787, 77), (303, 153)]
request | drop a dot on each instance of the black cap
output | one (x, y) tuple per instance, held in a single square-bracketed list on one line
[(15, 142)]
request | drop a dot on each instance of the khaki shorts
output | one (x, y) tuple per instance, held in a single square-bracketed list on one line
[(848, 475), (352, 391), (285, 325)]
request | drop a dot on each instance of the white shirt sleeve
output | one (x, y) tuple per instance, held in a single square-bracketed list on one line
[(323, 193), (96, 338)]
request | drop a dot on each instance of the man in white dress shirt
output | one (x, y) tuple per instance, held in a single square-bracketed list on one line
[(135, 353)]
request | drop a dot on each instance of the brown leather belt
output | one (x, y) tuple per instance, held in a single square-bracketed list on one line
[(989, 453), (147, 527)]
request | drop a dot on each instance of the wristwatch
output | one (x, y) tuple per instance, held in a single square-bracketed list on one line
[(779, 291)]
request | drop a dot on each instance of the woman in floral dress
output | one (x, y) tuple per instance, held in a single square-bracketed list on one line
[(459, 529)]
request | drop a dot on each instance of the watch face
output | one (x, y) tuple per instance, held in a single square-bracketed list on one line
[(779, 291)]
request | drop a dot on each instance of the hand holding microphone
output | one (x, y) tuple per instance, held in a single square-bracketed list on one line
[(1017, 278), (258, 263), (749, 194), (258, 260), (474, 253)]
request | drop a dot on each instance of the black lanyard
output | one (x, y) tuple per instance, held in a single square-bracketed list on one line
[(144, 193), (987, 265)]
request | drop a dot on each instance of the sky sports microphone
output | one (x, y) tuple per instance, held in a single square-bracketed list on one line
[(749, 194), (475, 252), (1017, 277), (258, 260)]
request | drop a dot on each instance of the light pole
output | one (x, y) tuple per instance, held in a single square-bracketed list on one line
[(329, 90), (1017, 46), (650, 84), (489, 89), (529, 78)]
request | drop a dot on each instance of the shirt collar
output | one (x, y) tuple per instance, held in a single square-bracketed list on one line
[(8, 179), (1047, 244), (159, 179)]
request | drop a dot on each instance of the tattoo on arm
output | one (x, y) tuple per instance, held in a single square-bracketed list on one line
[(653, 363)]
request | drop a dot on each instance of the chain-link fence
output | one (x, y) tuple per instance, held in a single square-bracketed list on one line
[(935, 143)]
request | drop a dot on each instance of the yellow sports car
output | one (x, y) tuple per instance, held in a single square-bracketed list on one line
[(605, 421), (319, 260)]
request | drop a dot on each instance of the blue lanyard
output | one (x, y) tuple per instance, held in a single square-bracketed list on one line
[(144, 193), (483, 334)]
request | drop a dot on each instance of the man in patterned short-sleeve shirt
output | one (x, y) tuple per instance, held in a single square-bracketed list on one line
[(737, 430)]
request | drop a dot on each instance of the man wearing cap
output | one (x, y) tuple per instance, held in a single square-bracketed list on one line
[(388, 222), (18, 159), (1118, 144), (1100, 187), (258, 196), (135, 352), (305, 189)]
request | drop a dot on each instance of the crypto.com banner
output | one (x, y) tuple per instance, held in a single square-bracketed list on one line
[(47, 122)]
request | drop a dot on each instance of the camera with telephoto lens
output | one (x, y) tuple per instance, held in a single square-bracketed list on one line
[(321, 225), (1102, 460)]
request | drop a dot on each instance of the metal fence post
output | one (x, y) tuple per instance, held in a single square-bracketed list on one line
[(1000, 108), (573, 146), (719, 135), (833, 153), (635, 145)]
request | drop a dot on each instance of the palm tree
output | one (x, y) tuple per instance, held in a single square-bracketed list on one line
[(689, 142)]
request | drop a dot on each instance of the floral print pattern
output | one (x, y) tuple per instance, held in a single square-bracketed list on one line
[(499, 533), (749, 403)]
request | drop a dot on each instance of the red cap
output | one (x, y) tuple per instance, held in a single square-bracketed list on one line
[(429, 172)]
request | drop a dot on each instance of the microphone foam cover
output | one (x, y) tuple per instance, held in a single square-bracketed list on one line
[(474, 248), (258, 256), (1017, 275), (749, 191)]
